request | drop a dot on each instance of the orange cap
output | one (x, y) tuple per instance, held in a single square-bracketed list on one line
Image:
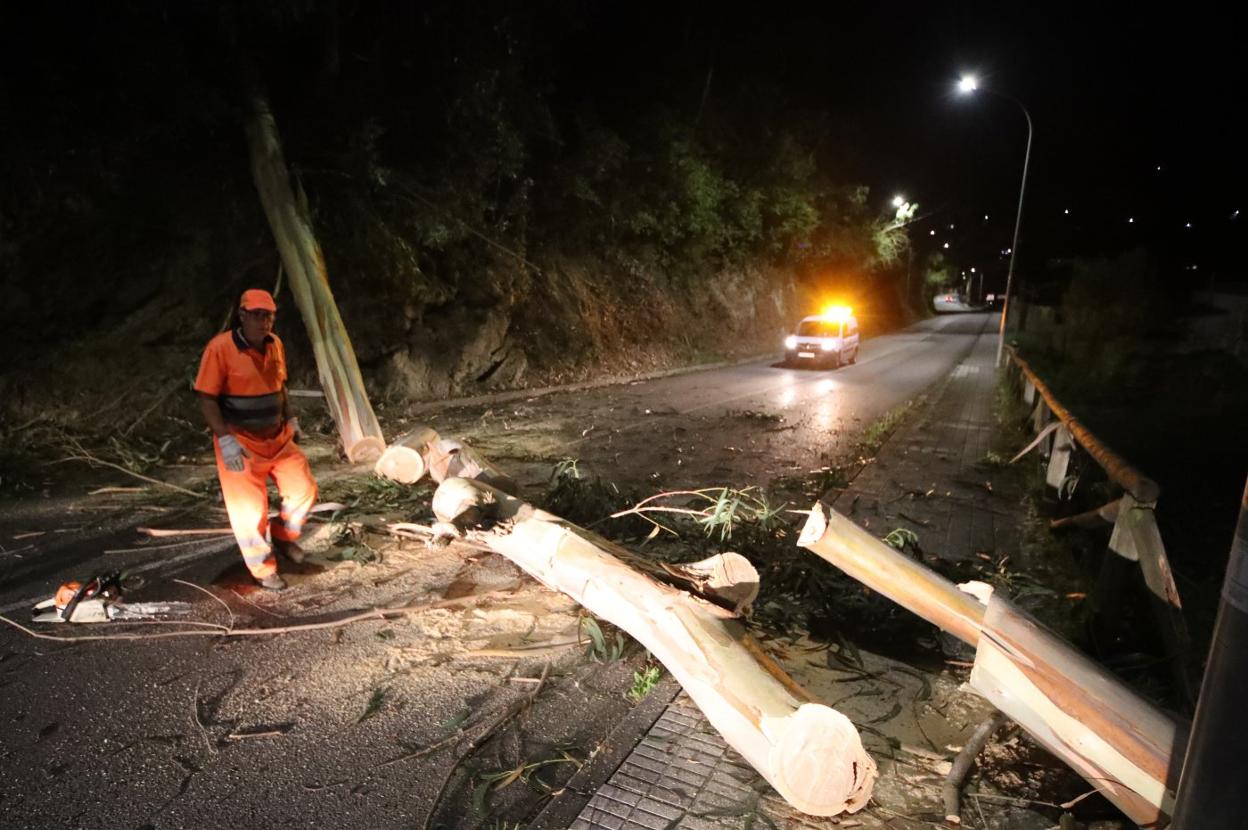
[(257, 298)]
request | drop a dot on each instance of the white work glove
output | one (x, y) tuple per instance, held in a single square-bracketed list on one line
[(297, 433), (232, 453)]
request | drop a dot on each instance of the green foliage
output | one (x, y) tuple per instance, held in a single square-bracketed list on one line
[(1115, 313), (643, 681), (901, 538), (993, 460), (717, 510), (579, 499), (938, 275), (601, 649), (526, 772), (879, 430), (891, 243)]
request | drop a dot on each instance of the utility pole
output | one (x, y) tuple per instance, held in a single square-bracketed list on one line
[(1211, 794)]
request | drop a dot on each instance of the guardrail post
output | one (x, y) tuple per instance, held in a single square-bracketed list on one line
[(1137, 538), (1039, 420), (1059, 458), (1212, 795)]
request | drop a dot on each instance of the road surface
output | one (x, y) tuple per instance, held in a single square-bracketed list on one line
[(326, 728)]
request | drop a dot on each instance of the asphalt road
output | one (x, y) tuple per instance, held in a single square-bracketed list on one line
[(300, 730), (738, 425)]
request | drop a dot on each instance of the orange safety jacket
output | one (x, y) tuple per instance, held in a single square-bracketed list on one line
[(248, 383)]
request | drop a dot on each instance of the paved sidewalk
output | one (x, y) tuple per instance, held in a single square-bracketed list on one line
[(683, 775), (926, 478)]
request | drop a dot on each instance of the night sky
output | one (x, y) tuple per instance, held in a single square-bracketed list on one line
[(1114, 92), (1134, 111)]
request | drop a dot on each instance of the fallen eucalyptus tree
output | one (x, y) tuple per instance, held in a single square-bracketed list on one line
[(1123, 745), (810, 753)]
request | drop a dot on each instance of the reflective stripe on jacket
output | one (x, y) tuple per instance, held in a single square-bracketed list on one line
[(246, 382)]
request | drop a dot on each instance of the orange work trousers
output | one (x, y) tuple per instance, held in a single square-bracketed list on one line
[(247, 496)]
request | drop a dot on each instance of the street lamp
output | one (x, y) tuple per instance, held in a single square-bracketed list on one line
[(966, 86)]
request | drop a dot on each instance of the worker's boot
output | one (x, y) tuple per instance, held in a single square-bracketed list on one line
[(290, 550), (273, 582)]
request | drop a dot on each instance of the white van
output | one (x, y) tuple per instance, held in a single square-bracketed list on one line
[(829, 339)]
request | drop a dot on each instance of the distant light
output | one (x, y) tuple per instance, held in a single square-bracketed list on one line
[(837, 313), (1187, 224), (898, 201), (1066, 211), (951, 226), (1234, 214), (1009, 250), (946, 244), (985, 217), (1191, 267), (1159, 168), (968, 84), (1131, 221), (933, 233), (972, 270)]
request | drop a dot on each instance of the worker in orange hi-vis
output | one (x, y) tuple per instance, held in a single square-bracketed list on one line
[(242, 393)]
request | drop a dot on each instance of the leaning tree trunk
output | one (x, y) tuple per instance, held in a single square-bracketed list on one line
[(309, 282), (810, 753), (1125, 746)]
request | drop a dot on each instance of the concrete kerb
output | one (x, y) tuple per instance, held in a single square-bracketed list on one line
[(571, 799)]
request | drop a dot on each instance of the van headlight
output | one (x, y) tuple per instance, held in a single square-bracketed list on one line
[(790, 342)]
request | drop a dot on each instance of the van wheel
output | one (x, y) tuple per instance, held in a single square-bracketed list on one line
[(853, 358), (836, 360)]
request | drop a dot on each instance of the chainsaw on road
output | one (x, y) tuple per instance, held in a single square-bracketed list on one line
[(99, 599)]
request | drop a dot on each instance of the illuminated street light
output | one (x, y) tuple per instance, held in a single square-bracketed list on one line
[(898, 201), (966, 86), (946, 244)]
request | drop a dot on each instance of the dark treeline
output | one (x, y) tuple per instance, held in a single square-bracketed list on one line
[(434, 142)]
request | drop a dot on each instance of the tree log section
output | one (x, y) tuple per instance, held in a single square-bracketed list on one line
[(1125, 747), (810, 753), (404, 460), (336, 365), (449, 458)]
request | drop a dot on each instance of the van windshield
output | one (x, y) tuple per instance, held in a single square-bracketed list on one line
[(818, 328)]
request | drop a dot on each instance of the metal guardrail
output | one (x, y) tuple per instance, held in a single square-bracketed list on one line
[(1119, 470), (1136, 537)]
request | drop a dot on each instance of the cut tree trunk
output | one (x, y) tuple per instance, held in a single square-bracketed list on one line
[(809, 752), (288, 218), (1123, 745), (404, 460), (422, 450)]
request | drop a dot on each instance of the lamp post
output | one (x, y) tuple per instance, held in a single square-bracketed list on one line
[(967, 85)]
